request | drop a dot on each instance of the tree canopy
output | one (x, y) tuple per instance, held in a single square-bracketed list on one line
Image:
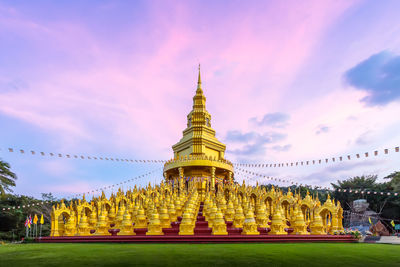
[(7, 178), (386, 206)]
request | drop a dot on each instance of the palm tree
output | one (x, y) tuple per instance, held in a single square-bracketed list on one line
[(7, 178)]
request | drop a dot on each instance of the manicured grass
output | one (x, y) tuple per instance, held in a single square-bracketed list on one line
[(303, 254)]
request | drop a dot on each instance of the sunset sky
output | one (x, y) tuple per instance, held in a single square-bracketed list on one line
[(284, 80)]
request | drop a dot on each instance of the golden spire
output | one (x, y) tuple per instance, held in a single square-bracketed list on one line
[(199, 138), (199, 82), (199, 100)]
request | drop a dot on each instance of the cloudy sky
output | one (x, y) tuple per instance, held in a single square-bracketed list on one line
[(284, 81)]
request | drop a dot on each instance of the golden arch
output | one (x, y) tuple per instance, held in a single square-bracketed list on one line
[(286, 203), (83, 206), (121, 199), (57, 226), (329, 218), (253, 198), (104, 203)]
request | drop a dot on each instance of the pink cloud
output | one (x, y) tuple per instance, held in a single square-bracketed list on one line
[(132, 94), (141, 99)]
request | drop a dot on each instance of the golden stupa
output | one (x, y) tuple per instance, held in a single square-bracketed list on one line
[(199, 154), (198, 196)]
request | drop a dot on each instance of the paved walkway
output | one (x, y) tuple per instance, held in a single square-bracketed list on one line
[(389, 240), (382, 239)]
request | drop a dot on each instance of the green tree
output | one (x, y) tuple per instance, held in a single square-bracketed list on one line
[(392, 209), (394, 181), (7, 178), (387, 206), (357, 182), (361, 184), (12, 220), (48, 197)]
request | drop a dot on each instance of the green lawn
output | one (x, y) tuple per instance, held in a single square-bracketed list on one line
[(305, 254)]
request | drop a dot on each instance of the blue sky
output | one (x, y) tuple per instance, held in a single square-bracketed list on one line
[(284, 81)]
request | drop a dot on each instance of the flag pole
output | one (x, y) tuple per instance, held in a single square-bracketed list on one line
[(41, 224), (30, 225)]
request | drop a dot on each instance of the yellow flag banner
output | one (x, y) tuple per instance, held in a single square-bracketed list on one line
[(392, 223), (41, 220), (35, 219)]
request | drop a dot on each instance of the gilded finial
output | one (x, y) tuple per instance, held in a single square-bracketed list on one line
[(199, 81)]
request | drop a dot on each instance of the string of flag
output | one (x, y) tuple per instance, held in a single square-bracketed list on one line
[(355, 191), (82, 157), (252, 165), (249, 178), (326, 160), (367, 192), (32, 204), (281, 180), (116, 184), (273, 179), (245, 174), (40, 203)]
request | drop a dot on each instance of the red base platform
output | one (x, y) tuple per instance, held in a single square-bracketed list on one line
[(199, 239)]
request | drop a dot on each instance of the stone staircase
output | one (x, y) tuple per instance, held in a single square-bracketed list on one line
[(201, 226)]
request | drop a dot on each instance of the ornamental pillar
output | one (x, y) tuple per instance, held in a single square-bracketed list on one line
[(54, 224), (230, 174), (180, 169), (213, 178), (181, 181)]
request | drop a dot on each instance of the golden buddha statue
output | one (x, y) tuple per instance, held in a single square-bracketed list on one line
[(70, 227), (83, 227)]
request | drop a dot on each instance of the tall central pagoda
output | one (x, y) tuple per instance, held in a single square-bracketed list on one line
[(199, 154)]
